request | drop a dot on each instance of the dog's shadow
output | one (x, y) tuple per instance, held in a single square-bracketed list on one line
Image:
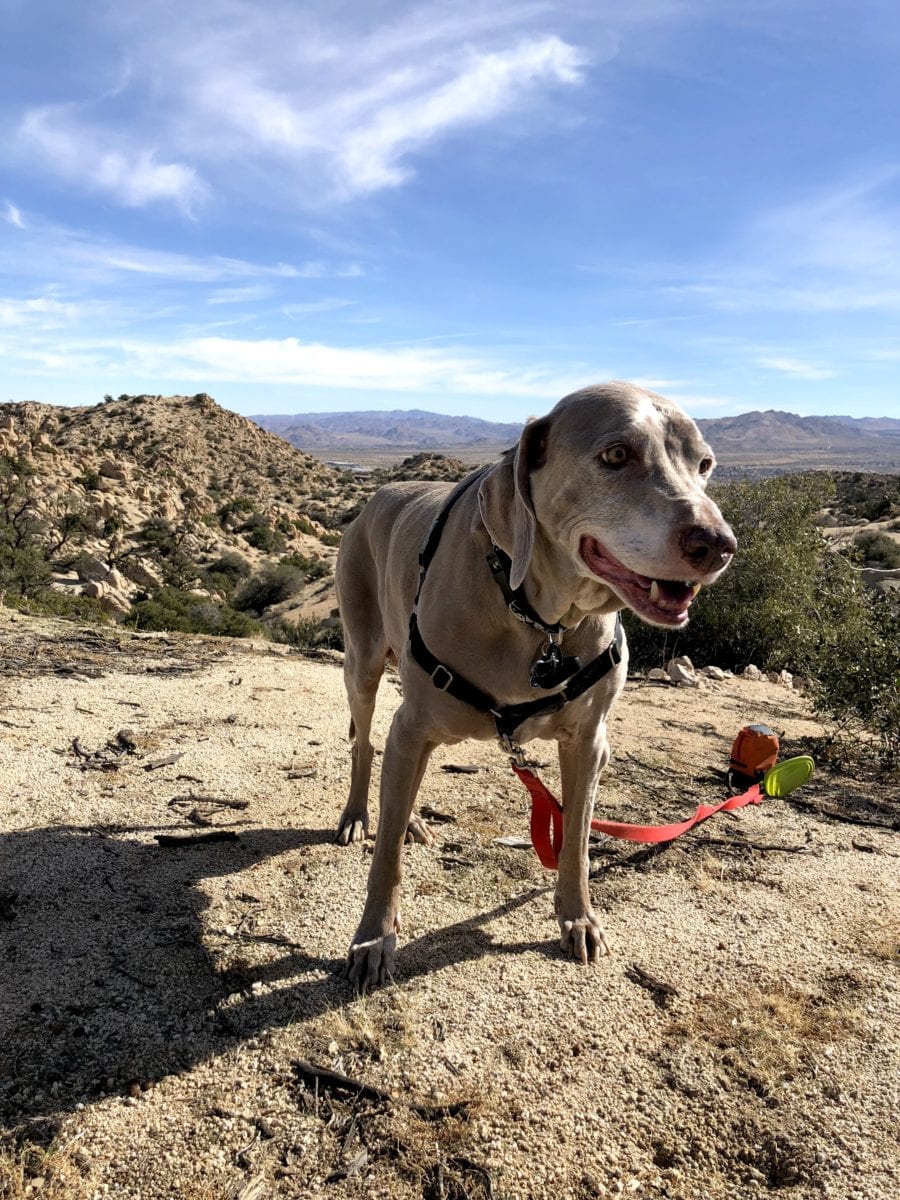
[(106, 983)]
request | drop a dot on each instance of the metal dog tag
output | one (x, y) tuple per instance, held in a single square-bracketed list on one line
[(552, 667)]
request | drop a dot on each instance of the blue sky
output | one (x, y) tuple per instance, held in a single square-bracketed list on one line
[(467, 207)]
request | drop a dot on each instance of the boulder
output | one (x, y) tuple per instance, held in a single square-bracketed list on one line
[(90, 568), (117, 580), (658, 673), (143, 573), (713, 672), (681, 671), (110, 469), (752, 672)]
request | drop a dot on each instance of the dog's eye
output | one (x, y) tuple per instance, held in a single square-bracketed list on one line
[(615, 456), (706, 465)]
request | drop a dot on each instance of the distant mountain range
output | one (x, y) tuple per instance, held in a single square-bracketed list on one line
[(397, 429), (754, 436)]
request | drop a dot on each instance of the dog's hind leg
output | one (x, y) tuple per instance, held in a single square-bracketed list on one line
[(362, 674)]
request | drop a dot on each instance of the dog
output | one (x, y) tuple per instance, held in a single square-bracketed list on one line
[(602, 505)]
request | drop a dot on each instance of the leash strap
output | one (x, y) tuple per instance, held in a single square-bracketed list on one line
[(547, 813)]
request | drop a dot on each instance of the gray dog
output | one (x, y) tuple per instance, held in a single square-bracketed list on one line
[(499, 599)]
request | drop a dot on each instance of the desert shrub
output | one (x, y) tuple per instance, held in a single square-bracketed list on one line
[(877, 548), (311, 566), (263, 537), (173, 610), (30, 537), (232, 509), (330, 537), (308, 632), (46, 602), (225, 573), (24, 569), (163, 541), (272, 585)]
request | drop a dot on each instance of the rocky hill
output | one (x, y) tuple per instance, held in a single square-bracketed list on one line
[(143, 480)]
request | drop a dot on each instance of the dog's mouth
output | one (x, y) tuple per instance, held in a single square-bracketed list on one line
[(660, 601)]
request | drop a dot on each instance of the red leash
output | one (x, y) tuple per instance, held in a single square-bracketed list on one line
[(547, 822)]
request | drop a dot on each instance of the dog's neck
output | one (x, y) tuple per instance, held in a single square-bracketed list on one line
[(558, 592)]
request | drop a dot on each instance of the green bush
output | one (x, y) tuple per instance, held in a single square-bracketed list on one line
[(307, 633), (877, 548), (263, 537), (272, 585), (312, 566), (173, 610), (225, 573)]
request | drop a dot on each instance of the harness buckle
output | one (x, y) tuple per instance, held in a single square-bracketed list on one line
[(445, 683)]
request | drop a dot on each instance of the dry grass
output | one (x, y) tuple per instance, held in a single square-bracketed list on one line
[(54, 1173), (883, 939), (767, 1037)]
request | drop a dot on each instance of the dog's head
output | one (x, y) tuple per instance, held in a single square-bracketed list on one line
[(614, 478)]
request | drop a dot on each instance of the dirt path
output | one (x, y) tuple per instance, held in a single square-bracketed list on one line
[(154, 1000)]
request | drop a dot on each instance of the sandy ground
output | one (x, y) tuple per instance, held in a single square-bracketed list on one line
[(155, 1000)]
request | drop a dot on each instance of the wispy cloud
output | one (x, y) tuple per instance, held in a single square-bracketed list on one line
[(98, 159), (830, 251), (265, 361), (798, 368), (47, 247), (297, 103)]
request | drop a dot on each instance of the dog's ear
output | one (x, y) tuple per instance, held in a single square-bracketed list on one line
[(508, 512)]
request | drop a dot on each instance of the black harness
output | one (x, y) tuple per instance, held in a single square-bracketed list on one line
[(550, 668)]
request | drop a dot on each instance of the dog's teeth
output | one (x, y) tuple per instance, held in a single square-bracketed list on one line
[(654, 592), (695, 588)]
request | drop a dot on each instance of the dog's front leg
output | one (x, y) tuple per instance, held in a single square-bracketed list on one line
[(581, 759), (371, 957)]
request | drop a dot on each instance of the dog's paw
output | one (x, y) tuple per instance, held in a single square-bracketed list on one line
[(352, 829), (583, 939), (370, 961), (418, 831)]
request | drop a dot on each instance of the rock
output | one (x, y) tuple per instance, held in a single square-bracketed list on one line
[(658, 673), (752, 672), (681, 675), (110, 469), (114, 602), (90, 568), (786, 679), (95, 589), (713, 672), (117, 580), (682, 661), (773, 677), (141, 572)]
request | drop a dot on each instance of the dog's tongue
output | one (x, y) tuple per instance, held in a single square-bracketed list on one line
[(671, 592)]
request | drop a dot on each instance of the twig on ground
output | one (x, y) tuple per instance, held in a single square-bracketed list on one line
[(661, 991), (191, 839)]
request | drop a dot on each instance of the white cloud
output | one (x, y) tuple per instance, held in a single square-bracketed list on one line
[(100, 160), (13, 216), (293, 102), (798, 368), (47, 248)]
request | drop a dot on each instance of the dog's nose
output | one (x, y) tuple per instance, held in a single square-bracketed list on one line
[(708, 549)]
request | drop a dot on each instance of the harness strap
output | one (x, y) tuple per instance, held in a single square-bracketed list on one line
[(516, 601), (507, 717)]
